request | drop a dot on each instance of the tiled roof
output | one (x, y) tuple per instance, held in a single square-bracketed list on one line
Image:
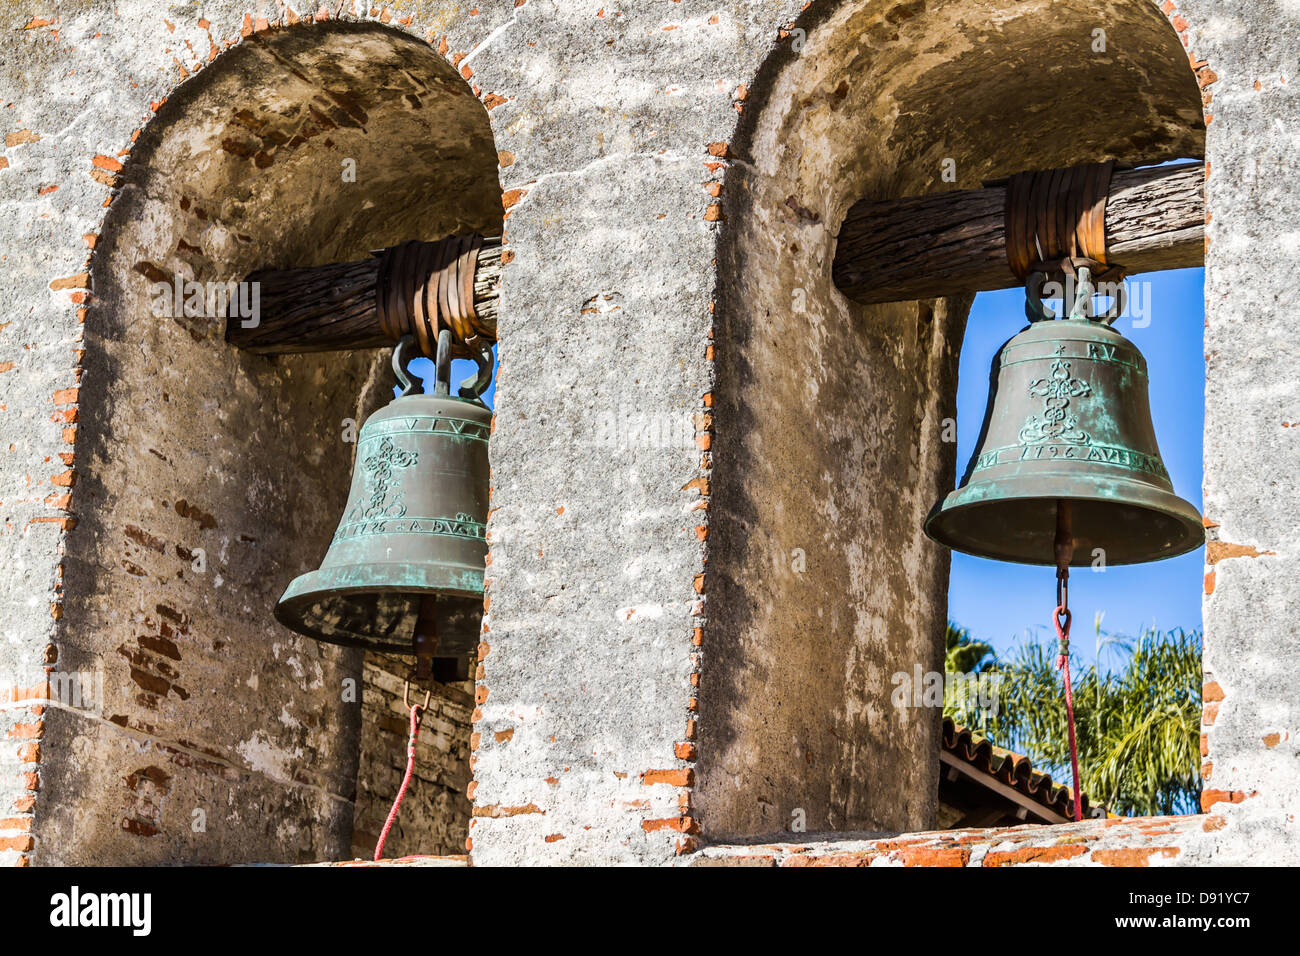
[(1013, 770)]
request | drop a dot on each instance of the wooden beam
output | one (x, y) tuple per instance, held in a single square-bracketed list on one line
[(923, 247), (334, 307), (888, 250)]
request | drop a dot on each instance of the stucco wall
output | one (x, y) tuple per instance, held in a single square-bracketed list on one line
[(647, 154)]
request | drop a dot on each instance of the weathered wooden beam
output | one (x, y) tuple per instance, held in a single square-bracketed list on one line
[(927, 246), (334, 307), (889, 250)]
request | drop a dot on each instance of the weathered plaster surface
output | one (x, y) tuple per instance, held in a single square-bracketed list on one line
[(630, 693)]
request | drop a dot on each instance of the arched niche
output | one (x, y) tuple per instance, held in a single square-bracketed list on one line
[(828, 418), (209, 478)]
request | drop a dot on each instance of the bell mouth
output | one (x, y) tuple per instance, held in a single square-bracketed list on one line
[(1131, 522), (375, 606)]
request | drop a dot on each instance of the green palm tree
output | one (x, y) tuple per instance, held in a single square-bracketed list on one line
[(962, 653), (1137, 729)]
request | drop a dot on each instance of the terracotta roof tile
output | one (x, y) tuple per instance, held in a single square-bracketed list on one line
[(1014, 770)]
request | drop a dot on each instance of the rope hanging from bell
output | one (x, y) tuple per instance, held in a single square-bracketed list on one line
[(1064, 546)]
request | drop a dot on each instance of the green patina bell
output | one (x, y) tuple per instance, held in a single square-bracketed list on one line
[(1068, 420), (404, 571)]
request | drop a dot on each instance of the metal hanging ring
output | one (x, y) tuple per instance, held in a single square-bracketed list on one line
[(473, 388), (1035, 310), (1117, 307), (406, 695), (1084, 272), (402, 358)]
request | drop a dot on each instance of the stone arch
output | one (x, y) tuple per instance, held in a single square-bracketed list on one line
[(208, 478), (827, 412)]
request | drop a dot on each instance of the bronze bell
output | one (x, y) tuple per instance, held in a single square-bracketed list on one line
[(404, 570), (1068, 420)]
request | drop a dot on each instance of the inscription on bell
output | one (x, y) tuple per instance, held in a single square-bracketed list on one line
[(1104, 454), (461, 526)]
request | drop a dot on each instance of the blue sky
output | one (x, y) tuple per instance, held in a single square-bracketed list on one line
[(1000, 601), (461, 369)]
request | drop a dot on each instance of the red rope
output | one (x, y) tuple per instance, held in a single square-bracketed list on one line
[(406, 781), (1063, 664)]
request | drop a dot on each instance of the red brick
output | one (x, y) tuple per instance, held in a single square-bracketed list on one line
[(1033, 854), (495, 810), (1210, 797), (676, 778), (79, 281), (934, 856), (832, 859), (1134, 856), (679, 824)]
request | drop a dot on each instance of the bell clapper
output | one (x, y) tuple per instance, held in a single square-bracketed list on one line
[(424, 640)]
